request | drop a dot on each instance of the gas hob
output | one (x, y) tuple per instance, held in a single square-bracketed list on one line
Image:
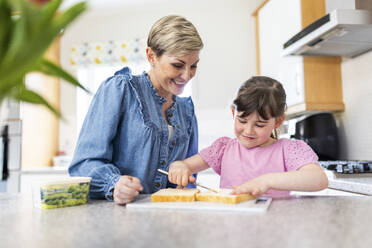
[(348, 166)]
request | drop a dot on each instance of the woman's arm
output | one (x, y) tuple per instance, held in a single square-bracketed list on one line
[(94, 150), (309, 177), (180, 172)]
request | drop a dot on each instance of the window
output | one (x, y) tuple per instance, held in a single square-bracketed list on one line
[(91, 77)]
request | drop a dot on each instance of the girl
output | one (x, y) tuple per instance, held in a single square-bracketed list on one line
[(256, 162)]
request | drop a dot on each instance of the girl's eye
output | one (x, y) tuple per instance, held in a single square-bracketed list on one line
[(242, 121), (257, 125), (194, 66)]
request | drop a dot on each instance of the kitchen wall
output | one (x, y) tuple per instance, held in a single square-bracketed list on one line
[(228, 58), (355, 122)]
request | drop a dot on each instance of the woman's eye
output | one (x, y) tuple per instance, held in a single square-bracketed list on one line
[(178, 66), (194, 66), (257, 125), (242, 122)]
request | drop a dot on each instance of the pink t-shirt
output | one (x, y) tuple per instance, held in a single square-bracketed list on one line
[(237, 164)]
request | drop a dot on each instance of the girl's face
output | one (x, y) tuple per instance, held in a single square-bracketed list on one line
[(170, 74), (253, 130)]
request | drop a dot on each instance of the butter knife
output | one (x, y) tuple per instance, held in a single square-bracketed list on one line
[(195, 183)]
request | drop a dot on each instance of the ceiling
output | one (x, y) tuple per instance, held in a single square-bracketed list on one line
[(104, 5)]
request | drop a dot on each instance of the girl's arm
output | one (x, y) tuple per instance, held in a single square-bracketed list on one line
[(309, 177), (180, 172)]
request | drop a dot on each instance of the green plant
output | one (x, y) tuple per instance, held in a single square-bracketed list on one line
[(26, 32)]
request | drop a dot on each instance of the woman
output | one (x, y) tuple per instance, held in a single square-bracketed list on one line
[(136, 123)]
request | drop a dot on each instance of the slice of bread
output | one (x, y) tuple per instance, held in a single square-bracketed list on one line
[(189, 195), (174, 195), (223, 196)]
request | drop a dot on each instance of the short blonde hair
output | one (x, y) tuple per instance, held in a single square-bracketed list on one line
[(174, 35)]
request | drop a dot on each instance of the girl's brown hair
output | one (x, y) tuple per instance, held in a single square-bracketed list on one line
[(262, 94)]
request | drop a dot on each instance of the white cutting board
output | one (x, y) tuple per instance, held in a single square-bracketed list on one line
[(259, 205)]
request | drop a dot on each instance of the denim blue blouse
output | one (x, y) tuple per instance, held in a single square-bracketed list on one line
[(125, 133)]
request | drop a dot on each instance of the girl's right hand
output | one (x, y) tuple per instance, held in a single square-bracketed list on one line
[(126, 189), (179, 173)]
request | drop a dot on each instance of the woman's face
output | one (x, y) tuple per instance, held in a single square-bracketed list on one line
[(253, 130), (170, 74)]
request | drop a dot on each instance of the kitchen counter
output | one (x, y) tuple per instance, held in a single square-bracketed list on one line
[(356, 183), (305, 221), (45, 170)]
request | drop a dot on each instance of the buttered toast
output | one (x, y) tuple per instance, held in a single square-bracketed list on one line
[(223, 196), (174, 195), (189, 195)]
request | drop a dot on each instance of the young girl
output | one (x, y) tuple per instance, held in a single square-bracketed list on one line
[(256, 162)]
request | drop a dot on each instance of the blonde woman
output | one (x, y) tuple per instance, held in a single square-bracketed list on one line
[(137, 123)]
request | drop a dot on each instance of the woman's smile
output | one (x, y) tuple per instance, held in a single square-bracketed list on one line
[(178, 82)]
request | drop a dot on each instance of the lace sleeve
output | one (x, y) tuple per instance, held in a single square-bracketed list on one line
[(298, 154), (212, 155)]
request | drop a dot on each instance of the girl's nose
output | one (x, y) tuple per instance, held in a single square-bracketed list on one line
[(248, 129)]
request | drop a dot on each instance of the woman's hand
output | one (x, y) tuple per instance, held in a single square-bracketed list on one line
[(256, 186), (126, 189), (179, 173)]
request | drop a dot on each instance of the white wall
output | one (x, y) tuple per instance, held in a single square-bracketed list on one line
[(227, 59), (355, 122)]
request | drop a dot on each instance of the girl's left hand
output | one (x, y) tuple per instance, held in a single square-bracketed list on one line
[(256, 187)]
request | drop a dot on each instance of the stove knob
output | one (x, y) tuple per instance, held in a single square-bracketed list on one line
[(365, 167), (346, 169), (339, 168)]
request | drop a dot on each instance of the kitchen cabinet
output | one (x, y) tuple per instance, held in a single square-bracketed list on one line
[(311, 83), (39, 125)]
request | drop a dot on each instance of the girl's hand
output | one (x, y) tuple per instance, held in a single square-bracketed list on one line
[(126, 189), (180, 174), (256, 187)]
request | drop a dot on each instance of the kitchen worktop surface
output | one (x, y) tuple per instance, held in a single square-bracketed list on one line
[(305, 221), (356, 183)]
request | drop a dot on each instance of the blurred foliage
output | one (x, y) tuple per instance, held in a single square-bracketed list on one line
[(26, 32)]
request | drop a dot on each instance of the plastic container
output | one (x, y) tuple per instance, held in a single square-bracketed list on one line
[(61, 192)]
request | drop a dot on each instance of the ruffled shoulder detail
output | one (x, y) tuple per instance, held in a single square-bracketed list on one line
[(113, 88), (213, 154), (125, 72), (297, 154)]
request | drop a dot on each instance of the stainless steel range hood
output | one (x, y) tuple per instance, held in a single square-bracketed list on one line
[(342, 32)]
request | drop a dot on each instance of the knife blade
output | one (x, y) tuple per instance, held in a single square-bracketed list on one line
[(195, 183)]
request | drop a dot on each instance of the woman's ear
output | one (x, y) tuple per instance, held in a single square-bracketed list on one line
[(151, 56), (233, 112), (279, 121)]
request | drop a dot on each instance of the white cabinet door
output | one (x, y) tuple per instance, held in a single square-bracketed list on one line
[(278, 21)]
